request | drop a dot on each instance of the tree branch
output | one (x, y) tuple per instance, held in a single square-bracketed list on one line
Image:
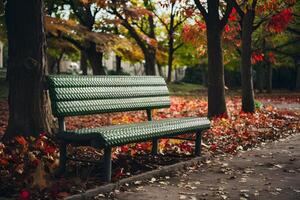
[(238, 8), (180, 22), (258, 24), (201, 9), (76, 11), (178, 46), (69, 39), (140, 28), (227, 13), (161, 21), (131, 30)]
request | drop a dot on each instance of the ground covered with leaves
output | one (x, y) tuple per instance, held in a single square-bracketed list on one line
[(27, 165)]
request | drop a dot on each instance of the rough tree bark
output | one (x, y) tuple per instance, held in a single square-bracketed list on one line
[(29, 106), (246, 69), (150, 61), (214, 30), (216, 83), (95, 59)]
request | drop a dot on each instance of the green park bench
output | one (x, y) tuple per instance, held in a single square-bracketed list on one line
[(86, 95)]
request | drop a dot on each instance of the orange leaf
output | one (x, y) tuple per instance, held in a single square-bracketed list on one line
[(21, 140)]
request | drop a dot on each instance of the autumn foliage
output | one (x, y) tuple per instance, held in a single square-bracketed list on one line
[(280, 21), (30, 162)]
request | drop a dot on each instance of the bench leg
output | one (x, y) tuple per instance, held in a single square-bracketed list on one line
[(107, 164), (62, 158), (154, 146), (198, 144)]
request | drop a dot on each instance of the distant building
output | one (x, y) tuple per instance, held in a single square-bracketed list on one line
[(109, 62)]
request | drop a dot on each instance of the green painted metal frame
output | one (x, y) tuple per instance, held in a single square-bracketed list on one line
[(60, 81)]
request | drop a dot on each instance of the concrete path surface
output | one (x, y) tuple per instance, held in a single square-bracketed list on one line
[(269, 172)]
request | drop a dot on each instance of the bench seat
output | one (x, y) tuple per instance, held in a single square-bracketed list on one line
[(88, 95), (111, 136)]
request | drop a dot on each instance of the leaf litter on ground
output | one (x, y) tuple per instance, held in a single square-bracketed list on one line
[(229, 134)]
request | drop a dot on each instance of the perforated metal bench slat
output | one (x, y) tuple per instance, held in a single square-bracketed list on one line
[(123, 134), (101, 81), (73, 108), (82, 95), (68, 94)]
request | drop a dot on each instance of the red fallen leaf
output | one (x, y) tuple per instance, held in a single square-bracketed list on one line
[(185, 147), (39, 144), (124, 149), (3, 162), (164, 141), (36, 162), (21, 140), (49, 149), (24, 194), (119, 173), (213, 147), (43, 134), (231, 148), (143, 146), (62, 195)]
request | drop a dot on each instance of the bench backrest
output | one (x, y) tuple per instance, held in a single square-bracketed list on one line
[(82, 95)]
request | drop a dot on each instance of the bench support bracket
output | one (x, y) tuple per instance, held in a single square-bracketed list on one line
[(107, 164), (62, 148), (154, 140), (62, 157), (154, 146), (198, 144)]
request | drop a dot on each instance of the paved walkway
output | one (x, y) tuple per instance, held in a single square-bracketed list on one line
[(269, 172)]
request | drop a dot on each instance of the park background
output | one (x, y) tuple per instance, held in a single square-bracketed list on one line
[(236, 62)]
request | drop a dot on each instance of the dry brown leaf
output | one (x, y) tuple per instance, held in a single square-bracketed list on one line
[(39, 178)]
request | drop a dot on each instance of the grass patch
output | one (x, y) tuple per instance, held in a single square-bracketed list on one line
[(186, 88)]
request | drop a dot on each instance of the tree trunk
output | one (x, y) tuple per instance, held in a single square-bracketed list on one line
[(170, 65), (51, 64), (216, 83), (29, 108), (159, 67), (269, 77), (83, 62), (246, 69), (150, 61), (170, 56), (203, 74), (297, 66), (95, 59), (58, 61), (176, 75), (119, 69), (260, 78)]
